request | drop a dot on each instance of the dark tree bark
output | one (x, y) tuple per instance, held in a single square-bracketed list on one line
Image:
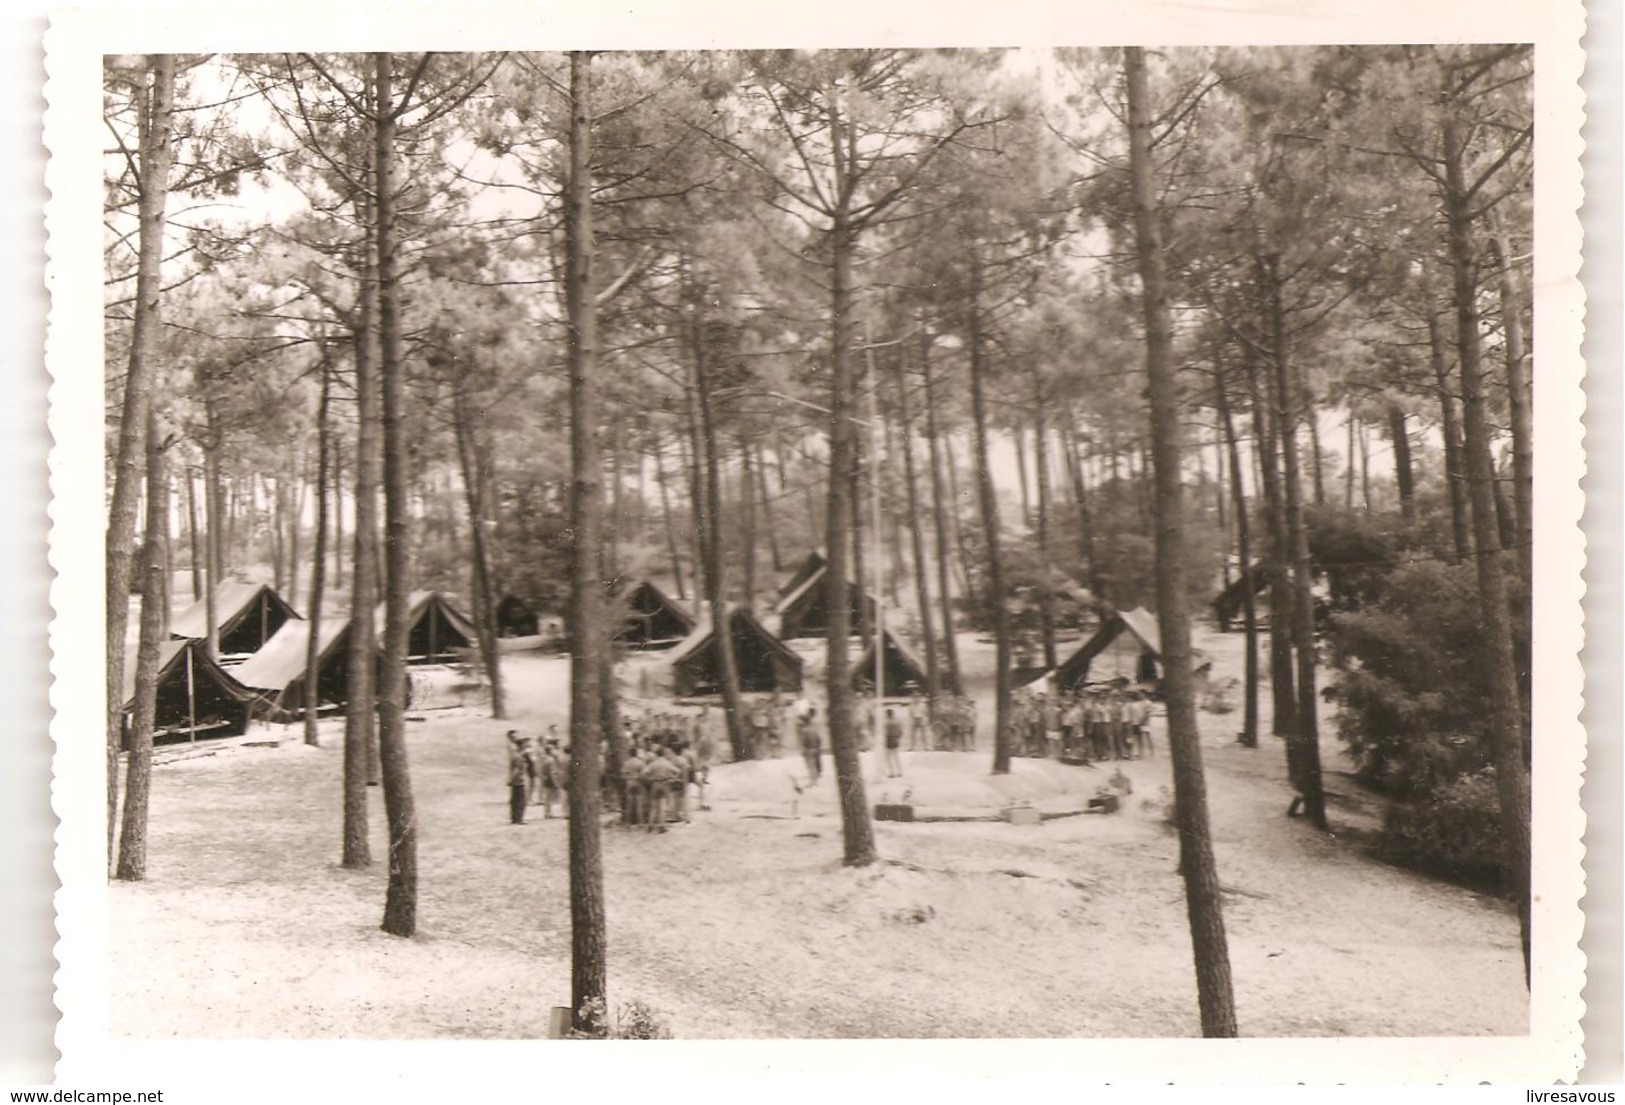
[(747, 497), (716, 549), (939, 522), (485, 600), (361, 711), (1283, 699), (767, 510), (132, 851), (1504, 710), (1404, 477), (1518, 398), (1203, 902), (401, 895), (860, 535), (922, 591), (1018, 440), (665, 511), (1450, 428), (318, 562), (1046, 609), (1086, 527), (155, 111), (335, 443), (193, 537), (990, 521), (857, 830), (1244, 547), (1306, 732), (588, 631)]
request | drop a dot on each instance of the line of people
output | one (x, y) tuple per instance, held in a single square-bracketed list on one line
[(1098, 724)]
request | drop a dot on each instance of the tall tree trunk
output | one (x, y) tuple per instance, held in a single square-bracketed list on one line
[(1450, 427), (318, 560), (690, 446), (217, 519), (857, 831), (1306, 733), (860, 535), (478, 513), (132, 851), (1519, 400), (1311, 417), (1504, 710), (1086, 528), (747, 488), (1404, 478), (336, 497), (716, 549), (1244, 549), (612, 546), (990, 522), (1046, 607), (401, 895), (1365, 468), (588, 632), (665, 511), (1019, 444), (1283, 699), (767, 510), (1348, 467), (361, 711), (193, 537), (1203, 903), (916, 529), (963, 561), (296, 519), (939, 522), (155, 112)]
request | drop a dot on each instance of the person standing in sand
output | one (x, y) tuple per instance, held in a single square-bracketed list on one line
[(894, 744), (520, 768), (812, 746)]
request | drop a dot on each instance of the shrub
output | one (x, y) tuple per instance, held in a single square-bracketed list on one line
[(1454, 832), (634, 1020)]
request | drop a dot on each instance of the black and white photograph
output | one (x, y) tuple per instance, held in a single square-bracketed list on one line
[(836, 542)]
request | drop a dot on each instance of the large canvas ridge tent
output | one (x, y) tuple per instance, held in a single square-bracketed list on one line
[(901, 670), (1127, 645), (439, 634), (804, 612), (196, 696), (811, 565), (516, 618), (763, 662), (277, 671), (1228, 605), (654, 620), (247, 615)]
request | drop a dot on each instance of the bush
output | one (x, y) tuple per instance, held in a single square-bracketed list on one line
[(634, 1020), (1454, 833)]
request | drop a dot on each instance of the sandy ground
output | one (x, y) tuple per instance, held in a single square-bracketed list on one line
[(744, 923)]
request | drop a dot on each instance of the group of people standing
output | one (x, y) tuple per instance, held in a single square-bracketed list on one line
[(537, 770), (1111, 723)]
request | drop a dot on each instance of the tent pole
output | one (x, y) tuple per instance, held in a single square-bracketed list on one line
[(191, 698)]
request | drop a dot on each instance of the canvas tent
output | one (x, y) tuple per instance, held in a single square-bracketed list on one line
[(811, 565), (440, 633), (1128, 645), (1227, 607), (516, 618), (763, 661), (246, 614), (196, 696), (804, 612), (900, 669), (653, 619), (277, 671)]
